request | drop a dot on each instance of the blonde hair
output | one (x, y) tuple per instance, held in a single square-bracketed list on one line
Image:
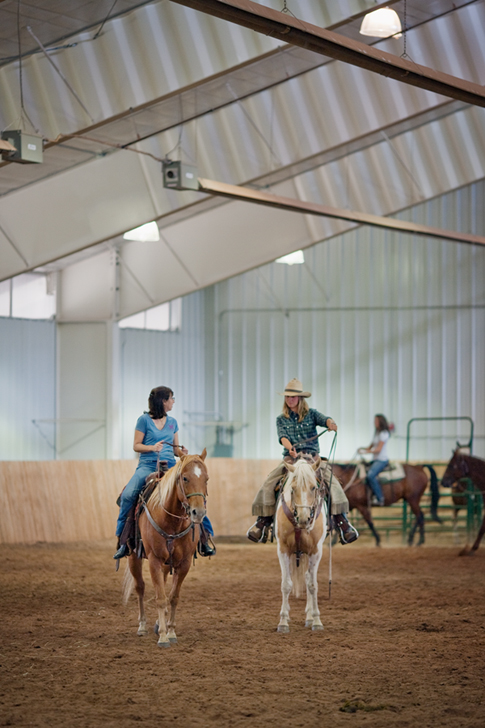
[(303, 409)]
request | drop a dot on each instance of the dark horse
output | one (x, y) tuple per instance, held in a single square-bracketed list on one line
[(410, 488), (466, 466)]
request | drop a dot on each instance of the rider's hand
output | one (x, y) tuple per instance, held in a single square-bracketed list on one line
[(157, 447), (331, 425), (292, 452)]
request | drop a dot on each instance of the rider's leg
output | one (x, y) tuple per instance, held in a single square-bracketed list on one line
[(206, 545), (339, 508), (264, 504), (127, 501), (372, 474)]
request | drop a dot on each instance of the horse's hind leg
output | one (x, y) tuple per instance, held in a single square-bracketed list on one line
[(312, 611), (286, 587), (136, 567)]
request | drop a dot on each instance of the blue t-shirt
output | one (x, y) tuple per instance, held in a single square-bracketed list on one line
[(152, 435)]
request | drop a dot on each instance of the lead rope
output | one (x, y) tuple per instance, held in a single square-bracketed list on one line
[(333, 448)]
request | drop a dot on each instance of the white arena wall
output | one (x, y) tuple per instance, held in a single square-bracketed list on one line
[(372, 322)]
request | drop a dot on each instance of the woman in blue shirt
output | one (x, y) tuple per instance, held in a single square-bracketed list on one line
[(156, 437)]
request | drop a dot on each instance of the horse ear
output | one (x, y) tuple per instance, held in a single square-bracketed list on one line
[(290, 467), (316, 464), (203, 454)]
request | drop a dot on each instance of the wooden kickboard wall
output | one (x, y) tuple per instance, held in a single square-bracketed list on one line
[(60, 501)]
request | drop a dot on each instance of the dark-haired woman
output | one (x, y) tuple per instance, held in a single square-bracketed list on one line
[(378, 448), (156, 437)]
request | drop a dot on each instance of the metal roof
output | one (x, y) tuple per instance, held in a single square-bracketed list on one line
[(169, 81)]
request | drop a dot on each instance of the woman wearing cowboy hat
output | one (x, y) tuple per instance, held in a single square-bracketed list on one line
[(297, 432)]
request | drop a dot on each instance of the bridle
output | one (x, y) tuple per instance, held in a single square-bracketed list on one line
[(183, 496)]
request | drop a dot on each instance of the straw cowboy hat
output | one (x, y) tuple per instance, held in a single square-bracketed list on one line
[(294, 388)]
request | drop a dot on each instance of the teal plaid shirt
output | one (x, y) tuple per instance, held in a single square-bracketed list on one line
[(299, 432)]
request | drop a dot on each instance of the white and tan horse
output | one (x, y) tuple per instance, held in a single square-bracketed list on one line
[(301, 528)]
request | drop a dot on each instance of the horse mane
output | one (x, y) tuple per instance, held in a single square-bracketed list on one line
[(166, 485), (300, 474)]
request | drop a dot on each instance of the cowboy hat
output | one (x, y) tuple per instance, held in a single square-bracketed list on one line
[(294, 388)]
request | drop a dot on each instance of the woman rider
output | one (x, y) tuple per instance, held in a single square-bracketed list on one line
[(297, 432), (156, 437), (378, 448)]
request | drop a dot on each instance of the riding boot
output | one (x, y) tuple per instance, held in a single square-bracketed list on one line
[(205, 547), (126, 542), (347, 533), (259, 530)]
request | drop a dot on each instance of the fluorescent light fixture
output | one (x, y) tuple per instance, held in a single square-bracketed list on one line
[(148, 233), (381, 23), (295, 258)]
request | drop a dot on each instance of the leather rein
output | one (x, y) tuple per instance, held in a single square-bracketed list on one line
[(171, 537)]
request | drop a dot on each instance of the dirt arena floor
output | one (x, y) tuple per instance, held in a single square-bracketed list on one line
[(403, 643)]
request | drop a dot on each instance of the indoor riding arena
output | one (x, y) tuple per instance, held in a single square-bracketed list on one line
[(242, 242)]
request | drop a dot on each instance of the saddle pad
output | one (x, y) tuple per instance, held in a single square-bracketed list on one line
[(394, 471)]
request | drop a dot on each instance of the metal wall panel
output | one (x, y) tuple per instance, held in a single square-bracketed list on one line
[(374, 322), (173, 359), (27, 389)]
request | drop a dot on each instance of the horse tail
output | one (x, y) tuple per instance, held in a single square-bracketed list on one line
[(435, 493), (128, 584), (298, 574)]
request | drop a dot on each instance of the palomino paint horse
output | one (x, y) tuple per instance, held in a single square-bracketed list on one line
[(169, 527), (466, 466), (410, 488), (301, 527)]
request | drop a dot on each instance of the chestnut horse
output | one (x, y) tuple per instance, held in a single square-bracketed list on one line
[(300, 528), (466, 466), (169, 528), (410, 488)]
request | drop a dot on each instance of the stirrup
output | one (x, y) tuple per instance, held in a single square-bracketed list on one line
[(124, 550), (206, 547)]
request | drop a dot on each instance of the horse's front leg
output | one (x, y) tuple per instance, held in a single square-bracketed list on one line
[(286, 587), (312, 612), (173, 599), (136, 567), (158, 579)]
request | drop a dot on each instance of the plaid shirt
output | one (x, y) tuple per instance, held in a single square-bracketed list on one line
[(299, 432)]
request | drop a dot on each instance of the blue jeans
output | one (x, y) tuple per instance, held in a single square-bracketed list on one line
[(372, 474), (131, 492)]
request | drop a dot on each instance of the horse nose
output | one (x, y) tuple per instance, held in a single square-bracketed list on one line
[(197, 514)]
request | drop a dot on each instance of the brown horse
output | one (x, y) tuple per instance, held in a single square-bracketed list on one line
[(301, 527), (466, 466), (169, 528), (410, 488)]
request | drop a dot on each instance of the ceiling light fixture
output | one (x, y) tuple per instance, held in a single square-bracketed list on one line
[(295, 258), (381, 23), (148, 233)]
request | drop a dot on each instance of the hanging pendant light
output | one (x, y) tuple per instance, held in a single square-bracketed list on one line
[(381, 23)]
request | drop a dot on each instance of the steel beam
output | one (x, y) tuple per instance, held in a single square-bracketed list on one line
[(310, 208), (297, 32)]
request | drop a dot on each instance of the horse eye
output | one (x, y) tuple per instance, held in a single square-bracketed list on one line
[(186, 480)]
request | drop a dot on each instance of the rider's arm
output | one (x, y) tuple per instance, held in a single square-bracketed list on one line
[(287, 444), (138, 445), (178, 450)]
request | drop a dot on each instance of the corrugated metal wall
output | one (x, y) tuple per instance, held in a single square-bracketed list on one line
[(373, 322), (27, 389), (173, 359)]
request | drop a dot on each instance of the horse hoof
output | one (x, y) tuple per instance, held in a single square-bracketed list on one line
[(283, 628), (142, 632), (317, 628), (309, 623), (173, 640), (163, 644)]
